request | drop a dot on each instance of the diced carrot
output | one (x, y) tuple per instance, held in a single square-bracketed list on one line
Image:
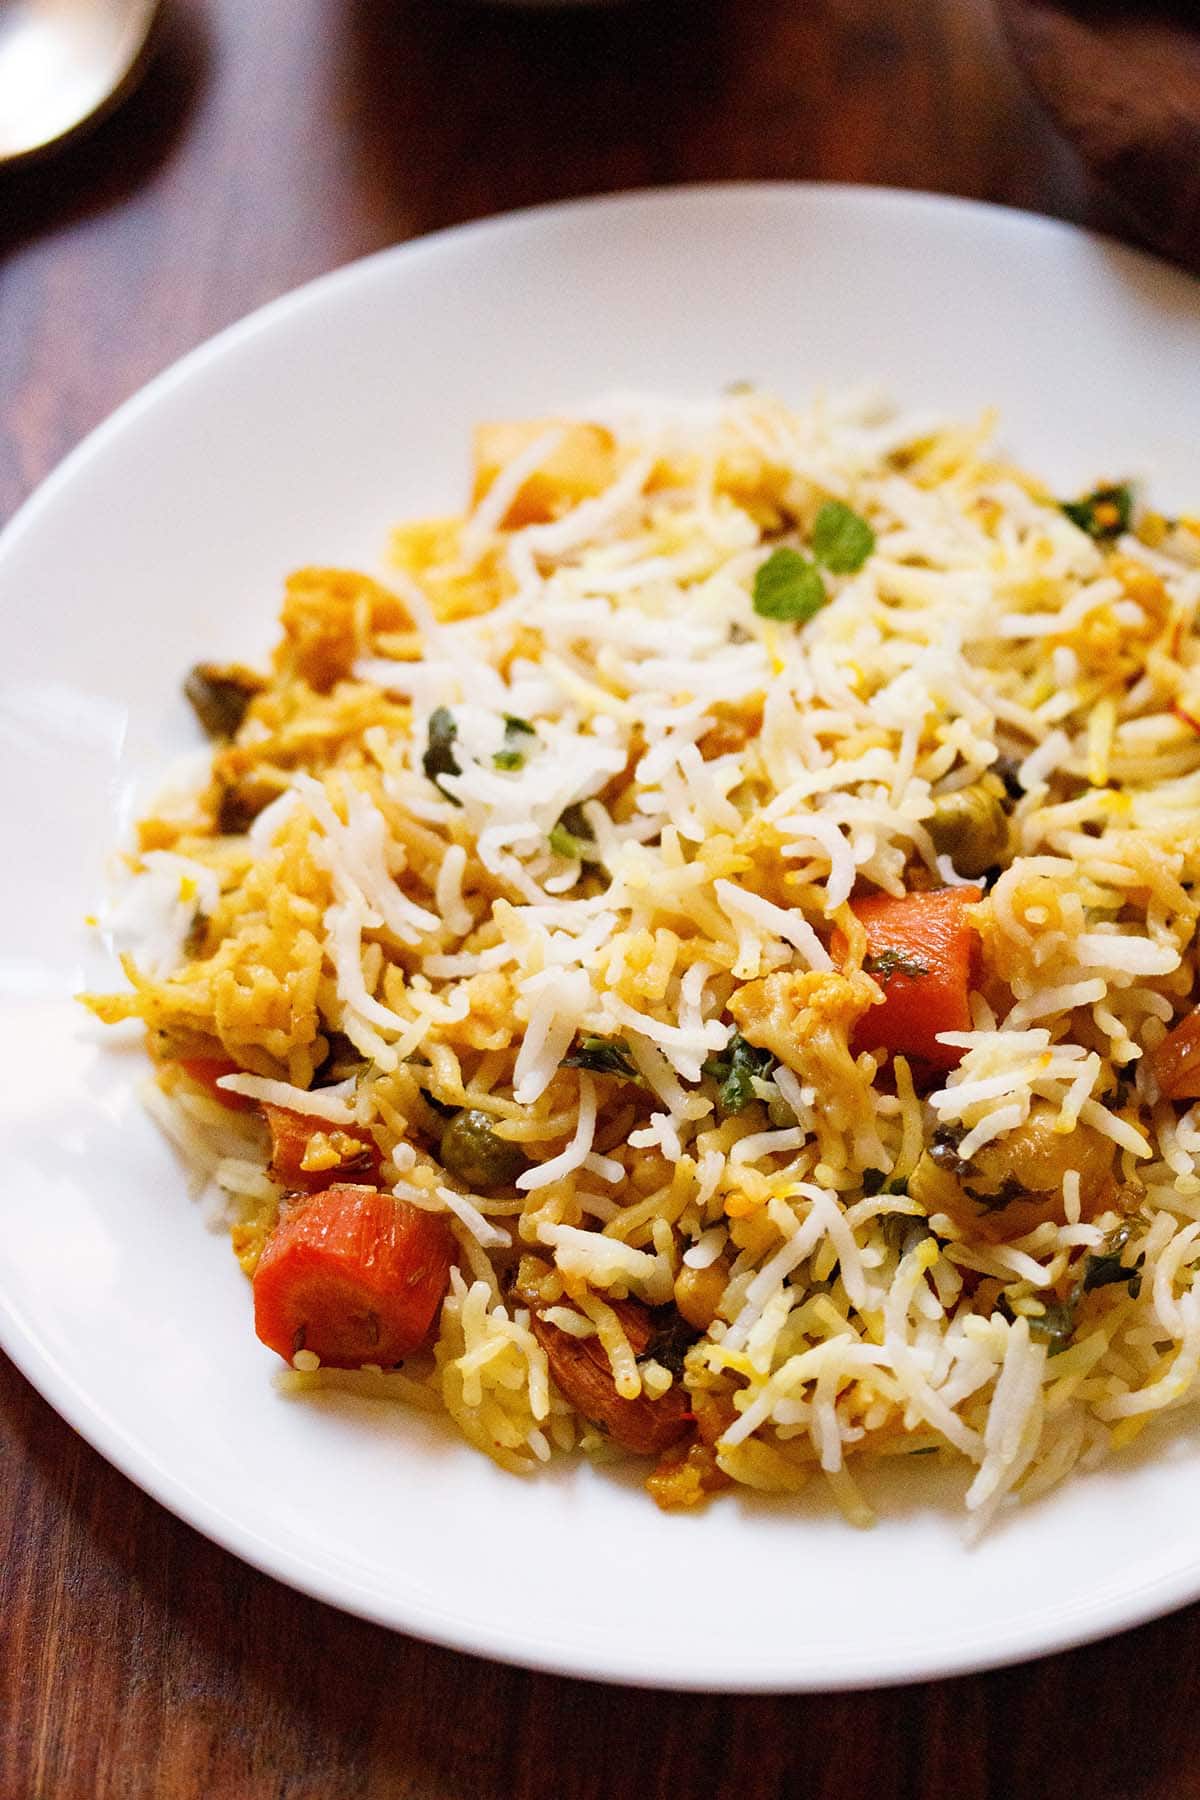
[(308, 1153), (1176, 1062), (354, 1275), (206, 1071), (920, 950)]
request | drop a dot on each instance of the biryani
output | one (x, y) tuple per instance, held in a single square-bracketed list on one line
[(698, 962)]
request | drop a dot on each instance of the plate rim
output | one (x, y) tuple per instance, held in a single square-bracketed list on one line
[(19, 1338), (428, 245)]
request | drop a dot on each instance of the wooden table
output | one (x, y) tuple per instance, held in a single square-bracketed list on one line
[(272, 140)]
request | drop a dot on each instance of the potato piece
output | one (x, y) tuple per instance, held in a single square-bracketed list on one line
[(583, 464), (1015, 1183), (329, 618), (1038, 1156), (698, 1292)]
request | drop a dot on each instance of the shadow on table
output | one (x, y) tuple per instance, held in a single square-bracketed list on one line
[(208, 1679), (480, 109), (107, 164), (458, 110)]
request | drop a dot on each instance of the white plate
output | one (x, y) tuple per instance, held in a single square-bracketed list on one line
[(300, 435)]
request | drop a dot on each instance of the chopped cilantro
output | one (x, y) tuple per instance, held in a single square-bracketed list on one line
[(886, 963), (1101, 1268), (565, 843), (877, 1181), (573, 837), (1104, 514), (734, 1070), (512, 756), (603, 1056), (991, 1200), (671, 1342), (789, 587), (1104, 1267), (841, 540), (943, 1151), (439, 758), (1054, 1326), (1107, 1271), (902, 1232)]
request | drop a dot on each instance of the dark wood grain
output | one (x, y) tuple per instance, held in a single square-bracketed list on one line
[(271, 140), (1122, 79)]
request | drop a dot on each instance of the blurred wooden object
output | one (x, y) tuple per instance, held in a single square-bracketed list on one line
[(273, 139), (1122, 81)]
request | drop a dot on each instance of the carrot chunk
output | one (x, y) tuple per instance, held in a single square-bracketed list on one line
[(1176, 1062), (308, 1153), (206, 1071), (920, 952), (354, 1275)]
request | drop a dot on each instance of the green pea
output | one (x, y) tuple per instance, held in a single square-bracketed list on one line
[(970, 826), (472, 1150)]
